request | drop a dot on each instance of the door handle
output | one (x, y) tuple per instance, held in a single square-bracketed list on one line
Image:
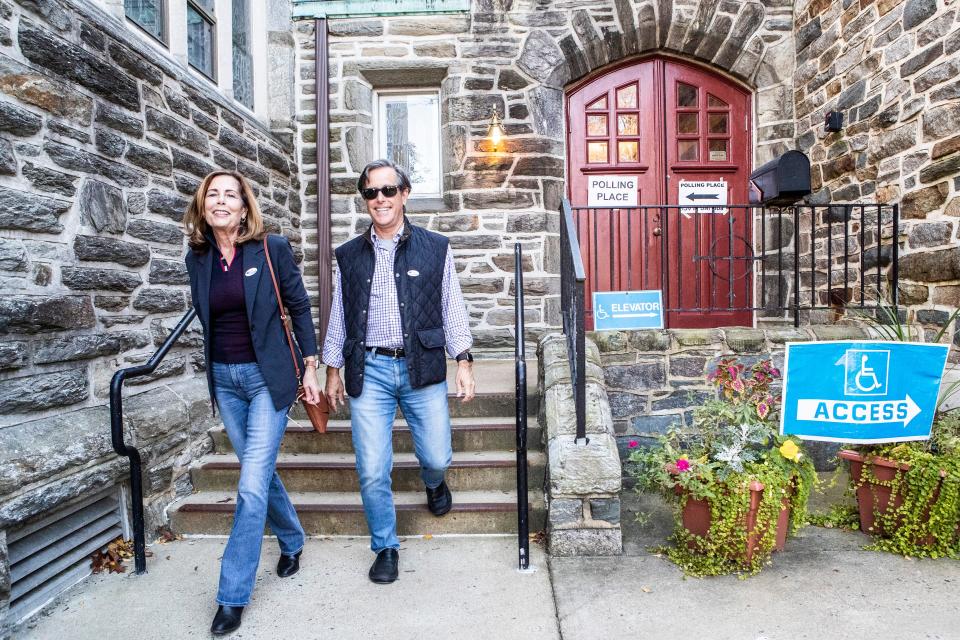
[(656, 220)]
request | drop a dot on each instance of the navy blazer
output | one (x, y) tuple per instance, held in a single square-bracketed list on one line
[(263, 313)]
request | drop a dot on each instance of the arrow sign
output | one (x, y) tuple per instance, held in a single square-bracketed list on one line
[(852, 412), (634, 315), (703, 196), (691, 194), (862, 392)]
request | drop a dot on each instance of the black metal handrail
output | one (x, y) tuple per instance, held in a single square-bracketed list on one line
[(572, 280), (116, 434), (523, 522), (744, 258)]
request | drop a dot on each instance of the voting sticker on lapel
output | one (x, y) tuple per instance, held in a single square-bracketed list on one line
[(249, 272), (413, 273)]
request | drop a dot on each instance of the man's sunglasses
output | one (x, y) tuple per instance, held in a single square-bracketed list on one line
[(370, 193)]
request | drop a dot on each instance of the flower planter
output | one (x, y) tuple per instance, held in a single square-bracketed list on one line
[(696, 520), (875, 492)]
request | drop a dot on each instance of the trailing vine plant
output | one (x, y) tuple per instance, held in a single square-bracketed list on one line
[(732, 448)]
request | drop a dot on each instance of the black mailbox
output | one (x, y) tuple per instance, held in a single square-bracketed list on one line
[(781, 181)]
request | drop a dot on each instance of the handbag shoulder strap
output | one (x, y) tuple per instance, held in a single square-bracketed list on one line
[(283, 313)]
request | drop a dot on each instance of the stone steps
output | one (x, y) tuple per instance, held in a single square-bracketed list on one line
[(342, 513), (468, 434), (323, 472), (483, 405)]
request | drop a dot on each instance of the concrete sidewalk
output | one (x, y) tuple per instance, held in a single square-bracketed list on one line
[(824, 586)]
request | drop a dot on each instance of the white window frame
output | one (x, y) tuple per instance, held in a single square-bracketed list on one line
[(380, 140), (164, 38)]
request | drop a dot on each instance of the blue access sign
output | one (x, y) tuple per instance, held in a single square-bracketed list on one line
[(861, 392), (614, 310)]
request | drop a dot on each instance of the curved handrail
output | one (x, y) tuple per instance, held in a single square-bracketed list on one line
[(116, 434), (572, 283)]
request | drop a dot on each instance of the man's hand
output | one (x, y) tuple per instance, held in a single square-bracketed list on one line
[(334, 389), (465, 382)]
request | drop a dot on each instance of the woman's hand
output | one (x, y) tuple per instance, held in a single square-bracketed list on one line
[(311, 387)]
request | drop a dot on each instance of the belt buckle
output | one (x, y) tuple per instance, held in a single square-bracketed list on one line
[(396, 353)]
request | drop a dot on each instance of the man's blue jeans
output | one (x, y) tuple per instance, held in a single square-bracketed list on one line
[(386, 383), (255, 429)]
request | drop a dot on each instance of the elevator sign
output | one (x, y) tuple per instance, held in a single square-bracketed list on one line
[(612, 191), (861, 392)]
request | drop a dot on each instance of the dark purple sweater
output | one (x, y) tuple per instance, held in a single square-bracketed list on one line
[(228, 313)]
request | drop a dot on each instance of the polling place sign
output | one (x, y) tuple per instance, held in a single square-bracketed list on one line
[(612, 191), (613, 310), (861, 392)]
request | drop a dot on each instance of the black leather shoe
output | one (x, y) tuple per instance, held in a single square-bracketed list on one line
[(386, 567), (288, 565), (226, 620), (439, 500)]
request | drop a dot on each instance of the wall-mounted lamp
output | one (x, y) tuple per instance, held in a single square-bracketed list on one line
[(833, 121), (495, 131)]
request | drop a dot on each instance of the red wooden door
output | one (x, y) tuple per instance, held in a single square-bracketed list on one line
[(638, 120)]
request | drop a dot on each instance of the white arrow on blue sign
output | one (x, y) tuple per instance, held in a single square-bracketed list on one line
[(615, 310), (861, 392)]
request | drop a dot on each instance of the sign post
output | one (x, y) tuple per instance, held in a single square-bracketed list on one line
[(861, 392), (613, 310)]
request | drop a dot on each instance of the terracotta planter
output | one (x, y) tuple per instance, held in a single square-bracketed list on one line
[(873, 498), (696, 520)]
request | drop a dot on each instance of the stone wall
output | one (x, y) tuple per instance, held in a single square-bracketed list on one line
[(655, 379), (583, 483), (516, 57), (102, 142), (891, 67)]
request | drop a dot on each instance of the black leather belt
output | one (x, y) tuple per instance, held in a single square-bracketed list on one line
[(383, 351)]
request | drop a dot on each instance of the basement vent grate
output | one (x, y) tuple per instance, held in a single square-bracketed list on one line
[(52, 554)]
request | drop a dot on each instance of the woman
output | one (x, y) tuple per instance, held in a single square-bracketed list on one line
[(250, 373)]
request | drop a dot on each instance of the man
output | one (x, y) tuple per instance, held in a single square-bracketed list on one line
[(396, 305)]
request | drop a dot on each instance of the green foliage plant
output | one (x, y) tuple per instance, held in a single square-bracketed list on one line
[(733, 444), (927, 523)]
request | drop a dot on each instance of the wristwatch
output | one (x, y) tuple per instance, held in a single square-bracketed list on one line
[(465, 355)]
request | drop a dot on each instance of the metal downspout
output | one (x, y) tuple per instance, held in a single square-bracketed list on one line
[(324, 248)]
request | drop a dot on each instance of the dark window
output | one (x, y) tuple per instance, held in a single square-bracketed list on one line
[(148, 15), (242, 61), (201, 43)]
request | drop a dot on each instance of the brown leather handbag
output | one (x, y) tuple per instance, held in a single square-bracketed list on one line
[(318, 413)]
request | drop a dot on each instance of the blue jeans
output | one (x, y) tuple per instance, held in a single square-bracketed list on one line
[(386, 383), (255, 429)]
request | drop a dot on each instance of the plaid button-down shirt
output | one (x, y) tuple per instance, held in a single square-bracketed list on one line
[(384, 326)]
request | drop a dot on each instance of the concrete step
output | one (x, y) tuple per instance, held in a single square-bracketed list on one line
[(468, 434), (483, 405), (342, 513), (469, 471)]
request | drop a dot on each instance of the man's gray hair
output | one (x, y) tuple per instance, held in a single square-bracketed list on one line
[(384, 164)]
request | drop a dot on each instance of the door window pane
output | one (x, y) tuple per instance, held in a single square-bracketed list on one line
[(200, 50), (714, 101), (628, 151), (627, 97), (627, 124), (686, 95), (689, 150), (597, 152), (242, 61), (148, 15), (599, 103), (718, 123), (410, 137), (718, 150), (686, 123), (597, 125)]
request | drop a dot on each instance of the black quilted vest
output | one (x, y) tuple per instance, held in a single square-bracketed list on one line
[(418, 272)]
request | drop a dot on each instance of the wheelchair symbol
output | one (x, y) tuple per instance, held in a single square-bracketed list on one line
[(602, 313), (866, 372)]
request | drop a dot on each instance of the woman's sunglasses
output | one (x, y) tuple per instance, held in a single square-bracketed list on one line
[(388, 192)]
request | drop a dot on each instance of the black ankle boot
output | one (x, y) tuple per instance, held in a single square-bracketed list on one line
[(226, 620), (439, 500), (288, 565)]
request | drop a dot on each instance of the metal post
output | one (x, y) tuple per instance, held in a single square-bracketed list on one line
[(523, 524), (796, 265), (895, 293), (324, 249)]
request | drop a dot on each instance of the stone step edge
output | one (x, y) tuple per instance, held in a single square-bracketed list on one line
[(205, 502), (343, 426), (228, 462)]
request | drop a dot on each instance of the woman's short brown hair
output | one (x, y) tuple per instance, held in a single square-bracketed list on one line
[(195, 224)]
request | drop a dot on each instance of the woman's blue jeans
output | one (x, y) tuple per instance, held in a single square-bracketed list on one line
[(385, 384), (255, 429)]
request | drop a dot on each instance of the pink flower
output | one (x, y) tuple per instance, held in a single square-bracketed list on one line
[(633, 444), (683, 464)]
